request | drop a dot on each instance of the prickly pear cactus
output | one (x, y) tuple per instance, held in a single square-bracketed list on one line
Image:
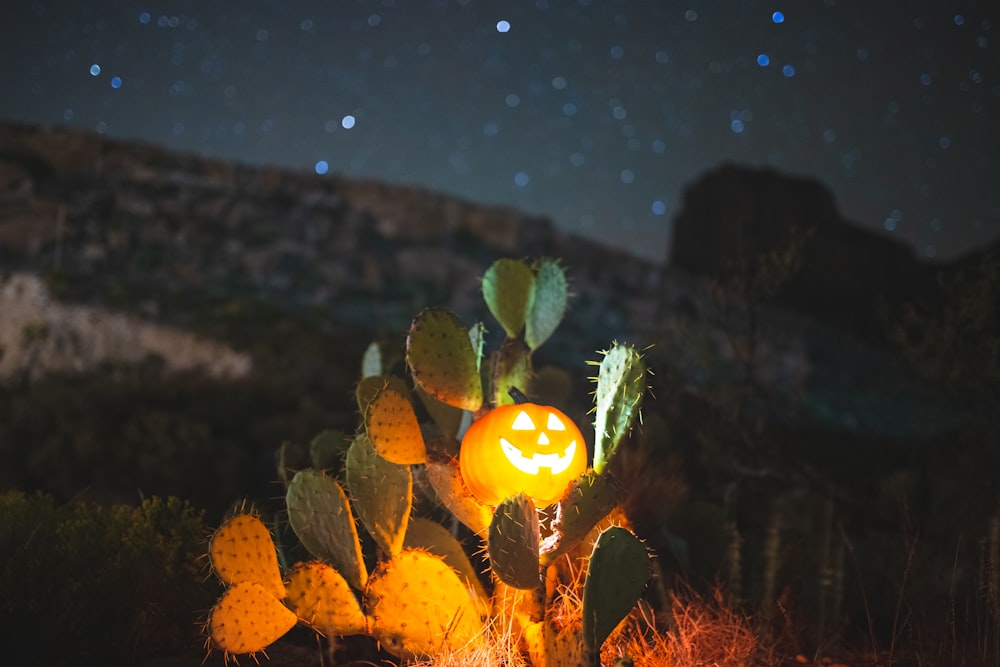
[(384, 494), (513, 542), (424, 595), (392, 428), (419, 606), (445, 478), (621, 384), (616, 576), (546, 303), (241, 550), (249, 615), (507, 287), (248, 619), (322, 599), (442, 359), (320, 515)]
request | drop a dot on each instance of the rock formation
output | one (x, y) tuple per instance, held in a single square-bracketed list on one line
[(847, 276)]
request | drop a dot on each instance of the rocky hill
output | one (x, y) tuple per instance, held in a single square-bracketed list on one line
[(153, 254)]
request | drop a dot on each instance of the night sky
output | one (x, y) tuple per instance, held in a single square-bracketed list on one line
[(594, 113)]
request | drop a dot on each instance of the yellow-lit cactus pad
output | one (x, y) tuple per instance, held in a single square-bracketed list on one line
[(242, 550), (393, 429), (321, 598), (442, 359), (446, 480), (419, 606), (247, 619)]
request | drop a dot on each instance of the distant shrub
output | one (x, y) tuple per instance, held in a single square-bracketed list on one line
[(81, 582)]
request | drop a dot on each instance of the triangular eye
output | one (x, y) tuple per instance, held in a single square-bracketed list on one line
[(555, 424), (522, 422)]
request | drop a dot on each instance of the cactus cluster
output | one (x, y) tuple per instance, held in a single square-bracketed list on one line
[(422, 595)]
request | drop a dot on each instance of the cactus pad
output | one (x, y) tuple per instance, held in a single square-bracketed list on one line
[(549, 646), (588, 500), (448, 418), (383, 494), (435, 538), (445, 478), (442, 359), (322, 599), (511, 368), (371, 361), (320, 515), (616, 576), (546, 303), (506, 290), (326, 450), (369, 387), (513, 542), (242, 550), (393, 428), (621, 383), (419, 606), (247, 619)]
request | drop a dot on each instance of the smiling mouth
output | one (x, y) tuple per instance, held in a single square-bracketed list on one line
[(532, 464)]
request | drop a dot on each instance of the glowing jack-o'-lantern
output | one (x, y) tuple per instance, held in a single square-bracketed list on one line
[(524, 447)]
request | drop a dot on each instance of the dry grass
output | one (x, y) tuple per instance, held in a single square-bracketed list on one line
[(699, 632)]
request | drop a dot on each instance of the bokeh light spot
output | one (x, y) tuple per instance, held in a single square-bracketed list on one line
[(95, 69), (503, 26), (763, 59), (778, 17), (322, 167), (347, 122)]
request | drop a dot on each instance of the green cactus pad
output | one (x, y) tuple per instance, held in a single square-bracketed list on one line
[(393, 429), (588, 500), (513, 542), (616, 577), (546, 303), (511, 368), (419, 606), (445, 478), (327, 449), (435, 538), (247, 619), (320, 515), (382, 492), (506, 290), (242, 550), (477, 337), (323, 600), (448, 418), (621, 384), (371, 361), (442, 359)]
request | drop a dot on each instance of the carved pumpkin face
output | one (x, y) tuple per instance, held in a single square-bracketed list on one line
[(526, 447)]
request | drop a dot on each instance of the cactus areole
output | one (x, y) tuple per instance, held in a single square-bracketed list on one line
[(525, 447)]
